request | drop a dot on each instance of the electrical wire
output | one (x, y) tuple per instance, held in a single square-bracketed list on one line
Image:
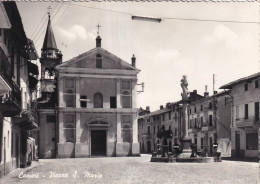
[(61, 14), (38, 25), (171, 18), (42, 30), (41, 27)]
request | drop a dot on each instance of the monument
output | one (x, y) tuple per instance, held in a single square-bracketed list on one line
[(186, 140), (188, 153)]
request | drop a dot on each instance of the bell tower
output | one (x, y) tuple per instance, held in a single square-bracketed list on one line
[(50, 58), (50, 55)]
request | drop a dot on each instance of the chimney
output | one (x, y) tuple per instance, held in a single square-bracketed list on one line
[(206, 94), (195, 92), (133, 60), (148, 108), (98, 41), (161, 107)]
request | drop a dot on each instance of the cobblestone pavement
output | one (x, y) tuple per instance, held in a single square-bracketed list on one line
[(133, 170)]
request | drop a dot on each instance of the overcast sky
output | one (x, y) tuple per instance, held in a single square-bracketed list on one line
[(164, 51)]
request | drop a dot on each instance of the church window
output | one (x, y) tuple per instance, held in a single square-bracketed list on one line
[(69, 128), (98, 100), (98, 61), (69, 133), (69, 98), (83, 102), (126, 128), (126, 134), (126, 99), (69, 95), (112, 102)]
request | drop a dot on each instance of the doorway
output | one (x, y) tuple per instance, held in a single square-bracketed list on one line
[(237, 144), (149, 147), (98, 143)]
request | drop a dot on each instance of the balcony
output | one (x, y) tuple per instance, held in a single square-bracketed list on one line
[(10, 103), (32, 82), (207, 127), (250, 122), (147, 135), (33, 68), (5, 74), (192, 130), (27, 121)]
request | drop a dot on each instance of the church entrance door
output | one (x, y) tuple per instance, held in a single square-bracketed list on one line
[(98, 142)]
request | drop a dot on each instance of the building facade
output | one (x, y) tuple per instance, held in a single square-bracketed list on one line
[(245, 116), (209, 122), (18, 78), (167, 118), (93, 111)]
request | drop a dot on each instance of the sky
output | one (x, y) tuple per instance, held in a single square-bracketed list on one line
[(164, 51)]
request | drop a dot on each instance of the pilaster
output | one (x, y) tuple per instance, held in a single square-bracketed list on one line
[(78, 129), (77, 92), (118, 93), (119, 129), (61, 89), (61, 123)]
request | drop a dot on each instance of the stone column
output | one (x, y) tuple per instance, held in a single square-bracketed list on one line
[(61, 84), (118, 93), (77, 92)]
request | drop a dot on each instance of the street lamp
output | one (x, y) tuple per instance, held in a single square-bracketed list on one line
[(142, 18)]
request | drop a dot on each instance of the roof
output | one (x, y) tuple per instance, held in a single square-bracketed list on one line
[(96, 50), (241, 80), (17, 30), (154, 113), (4, 21), (209, 97), (49, 40)]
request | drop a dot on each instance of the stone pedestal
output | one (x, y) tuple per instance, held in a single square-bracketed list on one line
[(186, 151)]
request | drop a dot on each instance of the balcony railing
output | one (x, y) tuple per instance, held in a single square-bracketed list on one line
[(10, 103), (193, 129), (207, 127), (249, 122)]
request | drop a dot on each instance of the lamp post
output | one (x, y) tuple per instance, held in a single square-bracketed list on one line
[(143, 18)]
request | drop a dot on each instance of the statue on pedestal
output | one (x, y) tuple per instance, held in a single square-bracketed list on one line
[(184, 85), (186, 140)]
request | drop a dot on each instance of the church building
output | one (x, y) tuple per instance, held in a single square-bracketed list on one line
[(88, 103)]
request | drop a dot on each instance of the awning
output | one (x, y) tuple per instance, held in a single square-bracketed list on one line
[(27, 121), (30, 50), (33, 68), (4, 21), (32, 82), (4, 87)]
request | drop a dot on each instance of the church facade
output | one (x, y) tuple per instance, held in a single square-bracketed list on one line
[(88, 104)]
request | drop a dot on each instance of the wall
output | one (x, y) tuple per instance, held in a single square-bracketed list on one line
[(240, 98)]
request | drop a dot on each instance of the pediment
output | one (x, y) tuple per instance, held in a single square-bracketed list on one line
[(88, 60)]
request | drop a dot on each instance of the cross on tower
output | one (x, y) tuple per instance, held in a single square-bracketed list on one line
[(49, 8), (98, 26)]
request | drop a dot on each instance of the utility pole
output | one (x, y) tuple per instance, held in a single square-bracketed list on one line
[(214, 104)]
